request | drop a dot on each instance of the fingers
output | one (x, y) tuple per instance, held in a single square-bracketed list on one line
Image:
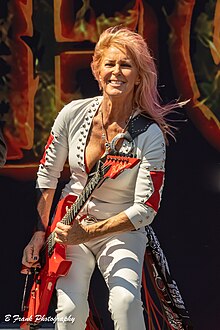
[(36, 251), (61, 236), (31, 252), (61, 226), (62, 233), (27, 259), (70, 235), (30, 256)]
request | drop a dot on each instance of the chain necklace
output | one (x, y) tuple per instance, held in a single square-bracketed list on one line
[(104, 135)]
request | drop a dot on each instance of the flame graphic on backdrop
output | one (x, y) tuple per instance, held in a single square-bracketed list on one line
[(19, 132), (204, 116), (90, 29)]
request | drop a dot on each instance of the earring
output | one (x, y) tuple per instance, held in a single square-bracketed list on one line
[(100, 84)]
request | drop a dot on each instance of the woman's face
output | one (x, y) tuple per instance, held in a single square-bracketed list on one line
[(118, 74)]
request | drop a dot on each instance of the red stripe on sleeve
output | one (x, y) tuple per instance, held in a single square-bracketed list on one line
[(49, 141), (154, 200)]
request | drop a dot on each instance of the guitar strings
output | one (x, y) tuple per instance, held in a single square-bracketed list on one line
[(50, 239)]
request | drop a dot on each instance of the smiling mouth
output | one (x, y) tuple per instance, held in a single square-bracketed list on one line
[(116, 82)]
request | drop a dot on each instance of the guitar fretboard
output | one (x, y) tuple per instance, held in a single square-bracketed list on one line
[(81, 200), (76, 207)]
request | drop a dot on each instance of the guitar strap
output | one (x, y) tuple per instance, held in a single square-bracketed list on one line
[(173, 309), (138, 125)]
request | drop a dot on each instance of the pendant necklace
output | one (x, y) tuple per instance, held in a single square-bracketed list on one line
[(104, 135)]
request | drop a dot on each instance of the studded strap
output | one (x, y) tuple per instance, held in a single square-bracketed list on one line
[(138, 125)]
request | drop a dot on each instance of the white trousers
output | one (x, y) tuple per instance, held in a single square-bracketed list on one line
[(120, 260)]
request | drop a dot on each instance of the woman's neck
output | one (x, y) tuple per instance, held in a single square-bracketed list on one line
[(119, 112)]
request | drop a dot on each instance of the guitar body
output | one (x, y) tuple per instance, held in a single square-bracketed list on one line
[(45, 278)]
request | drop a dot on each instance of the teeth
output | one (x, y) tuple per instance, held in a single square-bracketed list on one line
[(114, 82)]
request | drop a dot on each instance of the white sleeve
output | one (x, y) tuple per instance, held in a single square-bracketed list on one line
[(150, 179), (55, 154)]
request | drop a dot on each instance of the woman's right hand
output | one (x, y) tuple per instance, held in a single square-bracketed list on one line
[(31, 252)]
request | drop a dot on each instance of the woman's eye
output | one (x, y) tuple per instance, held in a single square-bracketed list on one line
[(127, 65)]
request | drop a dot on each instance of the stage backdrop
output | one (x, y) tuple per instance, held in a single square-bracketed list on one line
[(45, 52)]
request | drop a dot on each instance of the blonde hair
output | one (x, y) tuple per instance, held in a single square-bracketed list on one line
[(146, 96)]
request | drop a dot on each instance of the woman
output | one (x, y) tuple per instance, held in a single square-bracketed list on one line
[(112, 232)]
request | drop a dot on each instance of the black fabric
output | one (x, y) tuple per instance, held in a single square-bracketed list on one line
[(3, 148), (172, 304), (138, 125)]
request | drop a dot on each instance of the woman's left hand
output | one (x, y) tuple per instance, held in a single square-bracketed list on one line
[(72, 235)]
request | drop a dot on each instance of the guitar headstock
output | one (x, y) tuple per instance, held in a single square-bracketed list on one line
[(114, 165)]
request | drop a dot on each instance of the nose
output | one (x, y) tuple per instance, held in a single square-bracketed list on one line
[(116, 69)]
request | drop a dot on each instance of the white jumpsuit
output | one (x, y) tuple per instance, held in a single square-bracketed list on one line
[(136, 191)]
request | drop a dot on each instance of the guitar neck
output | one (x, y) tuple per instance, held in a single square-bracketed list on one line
[(76, 207)]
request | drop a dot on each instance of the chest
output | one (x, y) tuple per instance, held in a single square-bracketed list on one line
[(98, 142)]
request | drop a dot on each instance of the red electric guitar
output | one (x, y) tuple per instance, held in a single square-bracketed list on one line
[(52, 255)]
